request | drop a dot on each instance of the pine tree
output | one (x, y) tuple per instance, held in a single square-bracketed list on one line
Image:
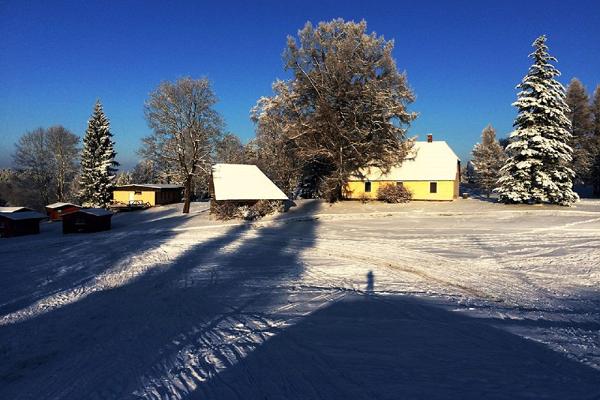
[(97, 160), (488, 158), (581, 122), (537, 168)]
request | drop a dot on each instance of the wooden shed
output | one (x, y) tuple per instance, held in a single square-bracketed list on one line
[(56, 210), (87, 220), (153, 194), (19, 222)]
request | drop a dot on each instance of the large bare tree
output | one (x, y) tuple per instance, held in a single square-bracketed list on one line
[(185, 126), (229, 149), (46, 160), (346, 105), (63, 147)]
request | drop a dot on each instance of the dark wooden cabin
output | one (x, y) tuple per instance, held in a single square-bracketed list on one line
[(20, 222), (56, 210), (87, 220)]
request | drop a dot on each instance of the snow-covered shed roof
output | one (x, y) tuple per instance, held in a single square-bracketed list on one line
[(148, 186), (61, 205), (19, 216), (99, 212), (14, 209), (243, 182), (427, 161)]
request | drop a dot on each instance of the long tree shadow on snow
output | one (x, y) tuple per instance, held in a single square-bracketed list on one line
[(59, 262), (372, 347), (133, 338)]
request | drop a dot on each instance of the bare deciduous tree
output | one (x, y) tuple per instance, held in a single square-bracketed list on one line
[(185, 128), (46, 161), (229, 149), (63, 147), (346, 106)]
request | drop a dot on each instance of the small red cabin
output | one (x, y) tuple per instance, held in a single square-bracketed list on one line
[(87, 220), (19, 222), (56, 210)]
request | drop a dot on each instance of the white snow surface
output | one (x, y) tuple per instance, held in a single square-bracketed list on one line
[(467, 299), (60, 204), (243, 182)]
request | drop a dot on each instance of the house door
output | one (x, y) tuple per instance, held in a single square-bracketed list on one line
[(131, 196)]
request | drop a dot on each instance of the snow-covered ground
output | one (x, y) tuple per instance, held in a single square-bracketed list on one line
[(468, 299)]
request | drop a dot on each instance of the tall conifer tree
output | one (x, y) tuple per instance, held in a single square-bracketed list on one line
[(98, 165), (581, 127), (537, 168)]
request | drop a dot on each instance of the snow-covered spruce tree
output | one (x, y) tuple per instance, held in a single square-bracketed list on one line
[(98, 165), (537, 168), (488, 158)]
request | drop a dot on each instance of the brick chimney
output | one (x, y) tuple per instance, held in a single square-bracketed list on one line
[(429, 138)]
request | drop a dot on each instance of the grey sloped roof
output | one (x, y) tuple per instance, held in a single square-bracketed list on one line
[(99, 212), (19, 216)]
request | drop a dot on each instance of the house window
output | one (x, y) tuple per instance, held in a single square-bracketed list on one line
[(432, 187), (138, 193), (399, 183), (367, 187)]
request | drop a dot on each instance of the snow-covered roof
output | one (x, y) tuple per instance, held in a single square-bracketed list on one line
[(99, 212), (17, 216), (243, 182), (14, 209), (427, 161), (60, 205), (149, 186)]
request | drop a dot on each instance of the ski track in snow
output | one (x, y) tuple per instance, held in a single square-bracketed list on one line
[(534, 275)]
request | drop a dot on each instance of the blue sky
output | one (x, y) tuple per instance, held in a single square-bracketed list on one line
[(463, 58)]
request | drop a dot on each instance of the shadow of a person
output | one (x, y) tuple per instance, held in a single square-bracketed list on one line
[(370, 282)]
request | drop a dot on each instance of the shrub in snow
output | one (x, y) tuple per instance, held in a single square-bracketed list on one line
[(537, 168), (246, 210), (394, 193)]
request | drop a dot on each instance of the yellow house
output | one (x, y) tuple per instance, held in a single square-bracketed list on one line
[(431, 171), (153, 194)]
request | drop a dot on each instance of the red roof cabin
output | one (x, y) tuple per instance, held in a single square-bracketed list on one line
[(87, 220), (17, 221), (56, 210)]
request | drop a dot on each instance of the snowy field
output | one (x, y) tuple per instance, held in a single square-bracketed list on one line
[(468, 300)]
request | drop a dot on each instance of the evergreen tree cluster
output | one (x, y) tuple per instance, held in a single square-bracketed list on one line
[(585, 120), (98, 165)]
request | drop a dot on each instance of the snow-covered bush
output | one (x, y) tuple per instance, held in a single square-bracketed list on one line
[(246, 210), (394, 193)]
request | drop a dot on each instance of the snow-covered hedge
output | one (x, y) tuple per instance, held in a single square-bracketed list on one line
[(247, 210)]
